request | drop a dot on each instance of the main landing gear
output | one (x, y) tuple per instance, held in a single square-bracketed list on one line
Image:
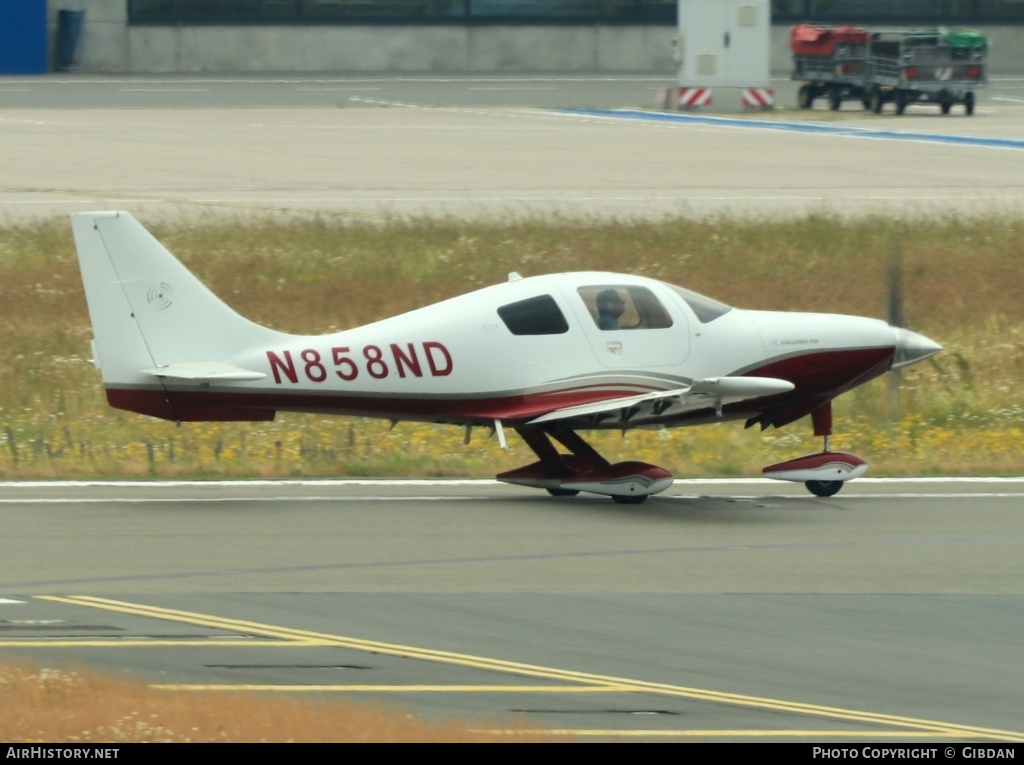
[(824, 472), (630, 483), (583, 469)]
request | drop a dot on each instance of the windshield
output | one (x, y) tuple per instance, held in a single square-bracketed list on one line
[(706, 308)]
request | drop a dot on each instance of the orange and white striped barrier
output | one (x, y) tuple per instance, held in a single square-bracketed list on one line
[(761, 98), (692, 97)]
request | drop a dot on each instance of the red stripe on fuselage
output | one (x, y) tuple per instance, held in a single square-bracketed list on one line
[(190, 405), (818, 378)]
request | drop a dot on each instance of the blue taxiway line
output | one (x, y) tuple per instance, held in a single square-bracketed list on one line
[(799, 127)]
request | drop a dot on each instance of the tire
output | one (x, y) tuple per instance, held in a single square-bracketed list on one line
[(877, 100), (946, 106), (835, 99), (563, 492), (629, 499), (823, 488), (866, 103), (969, 104), (901, 102), (804, 97)]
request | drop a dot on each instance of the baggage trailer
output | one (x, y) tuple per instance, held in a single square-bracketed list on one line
[(831, 62), (938, 67)]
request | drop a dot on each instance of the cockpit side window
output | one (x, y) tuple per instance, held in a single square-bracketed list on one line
[(534, 316), (616, 306), (707, 309)]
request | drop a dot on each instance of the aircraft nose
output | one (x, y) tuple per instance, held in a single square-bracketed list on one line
[(912, 348)]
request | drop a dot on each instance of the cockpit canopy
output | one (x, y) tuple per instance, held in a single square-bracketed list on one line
[(611, 305)]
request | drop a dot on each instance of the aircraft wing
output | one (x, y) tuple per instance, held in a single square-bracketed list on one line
[(712, 391), (203, 371)]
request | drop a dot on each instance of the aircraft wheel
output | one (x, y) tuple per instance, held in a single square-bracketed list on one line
[(563, 492), (969, 103), (629, 499), (823, 488), (901, 102), (835, 99), (946, 106)]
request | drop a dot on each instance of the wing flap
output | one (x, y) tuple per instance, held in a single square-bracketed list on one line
[(712, 391), (623, 404)]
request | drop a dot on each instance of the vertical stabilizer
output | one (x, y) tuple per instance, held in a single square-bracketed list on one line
[(147, 310)]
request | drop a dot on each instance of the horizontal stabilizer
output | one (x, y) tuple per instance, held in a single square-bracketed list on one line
[(204, 371)]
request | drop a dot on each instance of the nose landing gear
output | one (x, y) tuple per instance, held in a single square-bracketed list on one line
[(824, 472)]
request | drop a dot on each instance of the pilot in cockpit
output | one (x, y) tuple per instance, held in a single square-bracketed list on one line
[(610, 306)]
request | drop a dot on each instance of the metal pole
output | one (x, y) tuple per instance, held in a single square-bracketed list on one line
[(895, 281)]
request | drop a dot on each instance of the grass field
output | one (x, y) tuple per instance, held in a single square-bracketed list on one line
[(958, 413), (83, 706)]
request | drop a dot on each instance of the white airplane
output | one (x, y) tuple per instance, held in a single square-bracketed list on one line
[(545, 356)]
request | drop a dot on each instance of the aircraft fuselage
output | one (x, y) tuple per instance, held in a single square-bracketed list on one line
[(462, 361)]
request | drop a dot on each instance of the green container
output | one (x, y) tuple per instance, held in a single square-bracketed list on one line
[(965, 39)]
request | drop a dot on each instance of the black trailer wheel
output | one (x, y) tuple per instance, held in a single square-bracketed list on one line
[(877, 100), (901, 102), (866, 103), (835, 98), (823, 488), (805, 97), (969, 104), (946, 105)]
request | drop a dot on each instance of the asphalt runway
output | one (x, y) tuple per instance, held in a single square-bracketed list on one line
[(723, 611)]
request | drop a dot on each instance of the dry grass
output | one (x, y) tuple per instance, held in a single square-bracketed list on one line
[(85, 706), (960, 412)]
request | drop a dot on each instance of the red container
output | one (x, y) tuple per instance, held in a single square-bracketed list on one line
[(813, 40)]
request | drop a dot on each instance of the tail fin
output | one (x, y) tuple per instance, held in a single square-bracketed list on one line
[(151, 317)]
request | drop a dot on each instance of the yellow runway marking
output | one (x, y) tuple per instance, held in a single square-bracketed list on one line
[(136, 643), (816, 735), (306, 638), (404, 688)]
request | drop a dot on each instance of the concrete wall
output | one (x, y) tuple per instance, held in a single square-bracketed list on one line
[(395, 49), (109, 45)]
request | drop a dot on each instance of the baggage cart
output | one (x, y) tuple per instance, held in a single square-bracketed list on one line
[(830, 62), (939, 67)]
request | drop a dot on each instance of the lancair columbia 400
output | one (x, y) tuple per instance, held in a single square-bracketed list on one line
[(544, 356)]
